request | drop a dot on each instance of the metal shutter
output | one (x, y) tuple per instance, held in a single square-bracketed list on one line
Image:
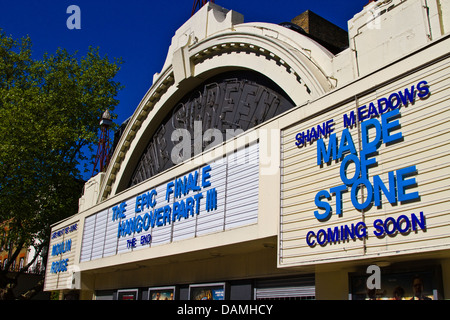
[(284, 289)]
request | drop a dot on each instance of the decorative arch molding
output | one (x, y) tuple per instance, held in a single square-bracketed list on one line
[(298, 65), (306, 63)]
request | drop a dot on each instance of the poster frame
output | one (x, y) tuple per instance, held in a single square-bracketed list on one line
[(208, 288), (160, 290)]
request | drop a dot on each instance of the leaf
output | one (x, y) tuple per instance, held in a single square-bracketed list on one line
[(49, 118)]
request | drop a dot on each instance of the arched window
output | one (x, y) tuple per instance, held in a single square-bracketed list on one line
[(231, 102)]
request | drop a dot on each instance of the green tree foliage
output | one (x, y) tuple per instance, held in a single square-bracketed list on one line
[(49, 116)]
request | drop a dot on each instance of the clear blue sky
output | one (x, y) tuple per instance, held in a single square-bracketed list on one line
[(140, 31)]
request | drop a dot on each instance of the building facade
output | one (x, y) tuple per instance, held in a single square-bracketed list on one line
[(23, 259), (260, 165)]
